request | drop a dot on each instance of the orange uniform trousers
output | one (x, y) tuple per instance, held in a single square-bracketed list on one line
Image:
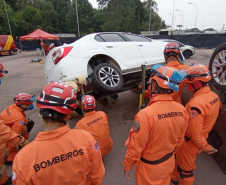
[(10, 137), (96, 123), (157, 130), (15, 118), (203, 110), (61, 156)]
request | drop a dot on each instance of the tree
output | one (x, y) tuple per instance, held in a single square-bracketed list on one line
[(62, 8), (102, 3), (85, 16), (98, 19), (124, 15), (32, 18), (49, 17), (60, 16), (156, 22)]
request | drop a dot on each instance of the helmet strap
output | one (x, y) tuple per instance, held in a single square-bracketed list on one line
[(48, 113), (171, 54), (196, 85), (89, 110), (60, 101), (55, 104), (159, 90)]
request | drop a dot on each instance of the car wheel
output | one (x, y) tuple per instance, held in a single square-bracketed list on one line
[(217, 66), (107, 78), (12, 52), (187, 54)]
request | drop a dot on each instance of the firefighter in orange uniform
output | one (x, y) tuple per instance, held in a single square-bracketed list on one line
[(59, 155), (7, 136), (203, 109), (96, 123), (2, 72), (14, 117), (171, 54), (157, 130)]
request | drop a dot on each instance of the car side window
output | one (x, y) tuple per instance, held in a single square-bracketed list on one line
[(136, 38), (98, 38), (111, 37)]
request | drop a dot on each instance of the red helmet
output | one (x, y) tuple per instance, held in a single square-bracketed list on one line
[(23, 98), (172, 49), (57, 96), (166, 77), (197, 72), (88, 102)]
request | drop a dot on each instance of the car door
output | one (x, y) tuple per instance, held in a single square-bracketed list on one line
[(125, 52), (152, 51)]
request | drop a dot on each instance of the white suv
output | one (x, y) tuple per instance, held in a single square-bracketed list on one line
[(111, 61)]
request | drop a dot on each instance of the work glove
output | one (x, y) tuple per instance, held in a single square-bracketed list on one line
[(24, 130), (140, 86), (22, 144), (30, 125)]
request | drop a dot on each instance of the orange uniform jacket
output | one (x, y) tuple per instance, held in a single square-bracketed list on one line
[(60, 157), (96, 123), (176, 65), (161, 129), (15, 119), (147, 92), (7, 136), (203, 109)]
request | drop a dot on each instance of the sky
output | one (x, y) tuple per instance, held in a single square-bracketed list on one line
[(211, 13)]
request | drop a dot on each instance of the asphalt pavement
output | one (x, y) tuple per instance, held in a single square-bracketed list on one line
[(28, 77)]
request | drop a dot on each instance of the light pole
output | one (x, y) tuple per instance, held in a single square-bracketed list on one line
[(196, 12), (175, 17), (172, 16), (182, 16), (7, 18), (76, 7), (150, 17)]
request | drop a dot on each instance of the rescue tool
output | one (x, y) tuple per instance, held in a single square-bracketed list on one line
[(143, 77)]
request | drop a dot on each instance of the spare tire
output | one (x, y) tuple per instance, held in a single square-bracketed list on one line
[(107, 78), (217, 66)]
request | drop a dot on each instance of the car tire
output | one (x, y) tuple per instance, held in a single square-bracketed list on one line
[(107, 78), (12, 52), (217, 66), (187, 54)]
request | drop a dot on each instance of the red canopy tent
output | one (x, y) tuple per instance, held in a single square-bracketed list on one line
[(39, 34)]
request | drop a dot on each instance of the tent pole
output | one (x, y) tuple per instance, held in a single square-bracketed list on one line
[(20, 46)]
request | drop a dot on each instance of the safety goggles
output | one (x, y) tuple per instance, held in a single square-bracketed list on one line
[(191, 77)]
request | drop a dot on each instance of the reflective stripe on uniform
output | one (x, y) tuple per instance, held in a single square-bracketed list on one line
[(8, 42)]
